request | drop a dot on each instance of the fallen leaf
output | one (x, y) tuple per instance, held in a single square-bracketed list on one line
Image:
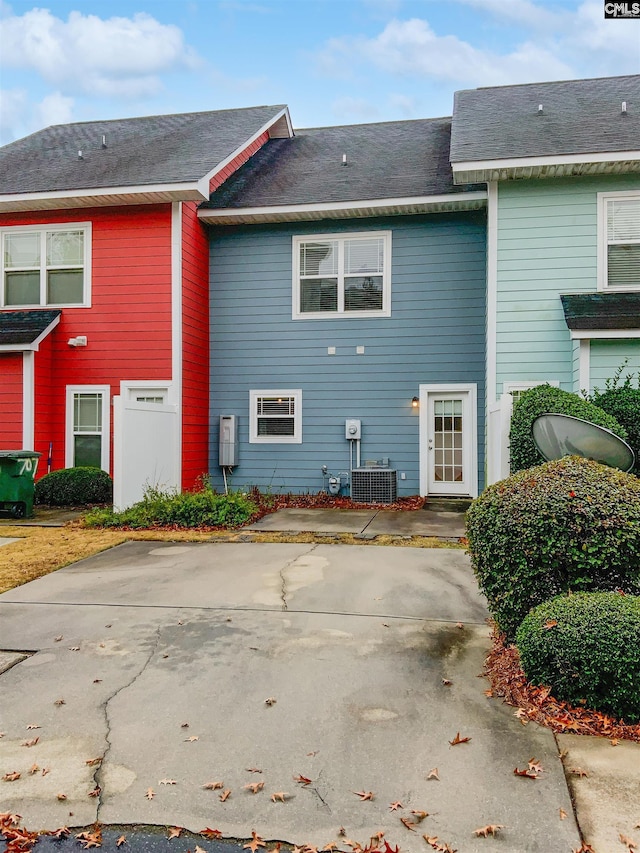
[(32, 726), (174, 832), (490, 829), (535, 766), (409, 825), (330, 847), (213, 786), (584, 848), (389, 849), (31, 742), (167, 782), (364, 795), (184, 726), (11, 777), (629, 842), (395, 806), (253, 770), (58, 638), (614, 741), (578, 771), (33, 769), (91, 762), (150, 793), (313, 754), (211, 834), (198, 849), (550, 623), (254, 787), (191, 739), (279, 797), (457, 739), (61, 797), (420, 815), (45, 770), (91, 839), (61, 832), (59, 702), (224, 796), (255, 842), (459, 625), (563, 814), (302, 780), (447, 682), (97, 680), (526, 773), (433, 774), (342, 832), (270, 701), (122, 840), (74, 649), (96, 791)]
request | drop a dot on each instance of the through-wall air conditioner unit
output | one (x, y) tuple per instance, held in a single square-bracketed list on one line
[(374, 485)]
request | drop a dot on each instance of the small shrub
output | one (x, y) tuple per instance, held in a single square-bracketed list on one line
[(622, 401), (202, 508), (566, 525), (591, 656), (538, 401), (74, 487)]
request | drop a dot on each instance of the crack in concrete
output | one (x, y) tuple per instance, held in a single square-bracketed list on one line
[(97, 776), (319, 795), (283, 580)]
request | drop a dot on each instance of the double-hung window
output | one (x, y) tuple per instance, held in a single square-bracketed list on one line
[(88, 426), (620, 241), (275, 417), (45, 265), (346, 275)]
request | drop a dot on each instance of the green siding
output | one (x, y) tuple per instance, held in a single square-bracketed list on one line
[(547, 246), (608, 356)]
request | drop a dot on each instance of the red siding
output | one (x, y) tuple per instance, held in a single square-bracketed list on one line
[(195, 347), (128, 326), (44, 408), (238, 161), (10, 401)]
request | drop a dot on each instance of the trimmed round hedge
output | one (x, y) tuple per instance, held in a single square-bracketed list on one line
[(586, 647), (74, 487), (538, 401), (572, 524), (623, 403)]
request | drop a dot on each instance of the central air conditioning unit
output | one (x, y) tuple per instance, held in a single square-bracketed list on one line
[(374, 485)]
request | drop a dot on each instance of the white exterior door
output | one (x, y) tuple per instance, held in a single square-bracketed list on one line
[(448, 452)]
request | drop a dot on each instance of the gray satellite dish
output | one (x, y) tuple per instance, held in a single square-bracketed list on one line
[(556, 436)]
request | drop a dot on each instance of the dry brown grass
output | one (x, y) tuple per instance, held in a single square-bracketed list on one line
[(41, 550)]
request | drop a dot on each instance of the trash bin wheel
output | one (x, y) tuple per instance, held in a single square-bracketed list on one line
[(18, 510)]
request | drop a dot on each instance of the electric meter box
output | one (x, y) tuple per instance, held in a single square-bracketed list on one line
[(353, 428), (228, 449)]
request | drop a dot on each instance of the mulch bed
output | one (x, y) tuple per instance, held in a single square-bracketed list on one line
[(536, 704)]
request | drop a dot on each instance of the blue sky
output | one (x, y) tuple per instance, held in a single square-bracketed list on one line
[(332, 61)]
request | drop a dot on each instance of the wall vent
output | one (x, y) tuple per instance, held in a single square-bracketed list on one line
[(374, 485)]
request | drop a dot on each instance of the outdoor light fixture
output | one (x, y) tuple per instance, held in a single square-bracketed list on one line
[(414, 403)]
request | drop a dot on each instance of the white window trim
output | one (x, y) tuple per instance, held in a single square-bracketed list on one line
[(602, 271), (296, 438), (85, 227), (129, 389), (105, 390), (297, 314)]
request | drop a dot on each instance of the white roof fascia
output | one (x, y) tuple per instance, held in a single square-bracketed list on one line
[(603, 334), (35, 344), (180, 189), (329, 207), (547, 160), (204, 181)]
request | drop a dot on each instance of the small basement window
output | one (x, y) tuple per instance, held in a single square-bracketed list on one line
[(275, 417)]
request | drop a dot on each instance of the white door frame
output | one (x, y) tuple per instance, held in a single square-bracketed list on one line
[(471, 391)]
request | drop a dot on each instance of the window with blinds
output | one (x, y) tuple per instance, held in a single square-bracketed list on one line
[(623, 242), (338, 275), (276, 416)]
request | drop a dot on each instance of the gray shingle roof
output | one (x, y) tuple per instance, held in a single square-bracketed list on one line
[(23, 327), (583, 311), (140, 151), (578, 117), (385, 160)]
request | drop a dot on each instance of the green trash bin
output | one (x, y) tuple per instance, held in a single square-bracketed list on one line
[(17, 474)]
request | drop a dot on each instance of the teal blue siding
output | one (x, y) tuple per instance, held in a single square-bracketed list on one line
[(434, 335), (608, 356), (547, 246)]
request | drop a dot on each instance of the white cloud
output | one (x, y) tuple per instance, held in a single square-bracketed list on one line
[(54, 109), (13, 109), (20, 117), (354, 110), (412, 48), (86, 53), (405, 105)]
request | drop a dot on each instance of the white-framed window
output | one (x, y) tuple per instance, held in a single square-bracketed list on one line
[(344, 275), (275, 417), (516, 388), (46, 265), (88, 424), (141, 391), (619, 244)]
